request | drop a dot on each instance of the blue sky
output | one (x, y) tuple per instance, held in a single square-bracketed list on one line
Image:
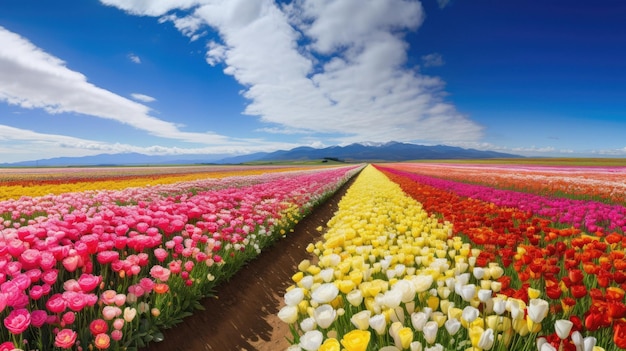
[(530, 77)]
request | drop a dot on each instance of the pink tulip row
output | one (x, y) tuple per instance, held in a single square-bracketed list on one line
[(106, 270), (591, 215)]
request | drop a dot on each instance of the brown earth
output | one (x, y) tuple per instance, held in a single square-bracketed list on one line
[(243, 316)]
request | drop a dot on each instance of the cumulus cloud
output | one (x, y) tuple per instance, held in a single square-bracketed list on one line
[(142, 97), (323, 66), (433, 60)]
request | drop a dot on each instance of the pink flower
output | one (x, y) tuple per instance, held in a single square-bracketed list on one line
[(71, 263), (65, 339), (160, 254), (7, 346), (68, 318), (147, 284), (102, 341), (47, 261), (98, 326), (30, 258), (56, 303), (108, 297), (116, 335), (175, 266), (35, 292), (71, 285), (104, 257), (17, 321), (110, 312), (50, 276), (88, 282), (38, 318), (160, 273), (76, 301), (119, 300), (118, 323)]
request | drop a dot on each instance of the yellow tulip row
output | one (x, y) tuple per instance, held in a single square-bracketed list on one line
[(387, 276)]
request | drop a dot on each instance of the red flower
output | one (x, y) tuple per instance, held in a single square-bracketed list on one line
[(578, 291), (619, 335), (575, 276)]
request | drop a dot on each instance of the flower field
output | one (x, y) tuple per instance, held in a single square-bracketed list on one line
[(422, 257), (102, 269)]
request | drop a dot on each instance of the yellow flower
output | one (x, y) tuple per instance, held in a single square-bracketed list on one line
[(356, 340), (331, 344), (533, 293), (405, 336)]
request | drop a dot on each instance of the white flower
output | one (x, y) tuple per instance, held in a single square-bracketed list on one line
[(415, 346), (436, 347), (378, 323), (308, 324), (327, 274), (325, 293), (422, 282), (430, 331), (311, 340), (589, 343), (419, 319), (294, 296), (288, 314), (547, 347), (537, 310), (479, 272), (486, 339), (577, 340), (470, 314), (499, 305), (452, 326), (324, 316), (355, 297), (484, 295), (468, 291), (361, 320), (563, 327), (392, 298)]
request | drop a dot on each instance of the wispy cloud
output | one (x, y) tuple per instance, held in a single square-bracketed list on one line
[(134, 58), (142, 97), (443, 3), (348, 78), (46, 145), (31, 78), (433, 60)]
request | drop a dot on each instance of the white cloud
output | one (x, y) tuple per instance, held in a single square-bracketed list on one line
[(433, 60), (31, 78), (21, 144), (134, 58), (351, 79), (142, 97)]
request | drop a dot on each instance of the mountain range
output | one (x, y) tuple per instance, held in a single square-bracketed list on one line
[(358, 152)]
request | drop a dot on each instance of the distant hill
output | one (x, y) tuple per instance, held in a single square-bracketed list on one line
[(392, 151), (358, 152)]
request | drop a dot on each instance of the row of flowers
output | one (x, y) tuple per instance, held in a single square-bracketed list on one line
[(580, 275), (606, 184), (20, 182), (389, 276), (108, 270), (584, 214)]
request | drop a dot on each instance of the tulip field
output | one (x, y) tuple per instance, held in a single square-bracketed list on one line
[(426, 256), (105, 261)]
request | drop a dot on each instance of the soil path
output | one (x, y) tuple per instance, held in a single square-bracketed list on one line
[(243, 317)]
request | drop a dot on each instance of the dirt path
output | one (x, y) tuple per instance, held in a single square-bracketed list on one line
[(244, 315)]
